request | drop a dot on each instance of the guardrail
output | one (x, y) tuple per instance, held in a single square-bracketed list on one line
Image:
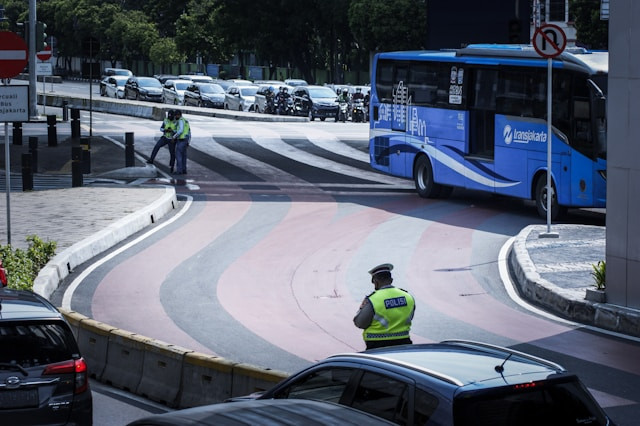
[(162, 372), (152, 110)]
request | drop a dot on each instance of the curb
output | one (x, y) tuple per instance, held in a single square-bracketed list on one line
[(566, 303), (63, 263)]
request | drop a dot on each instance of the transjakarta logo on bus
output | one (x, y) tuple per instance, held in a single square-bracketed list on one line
[(522, 136)]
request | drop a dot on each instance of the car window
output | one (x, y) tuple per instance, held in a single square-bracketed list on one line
[(425, 405), (382, 396), (322, 92), (248, 91), (30, 345), (181, 85), (323, 385)]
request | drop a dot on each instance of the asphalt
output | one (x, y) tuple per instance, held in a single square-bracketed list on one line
[(113, 203)]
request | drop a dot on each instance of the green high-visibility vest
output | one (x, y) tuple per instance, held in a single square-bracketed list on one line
[(393, 312), (169, 128), (185, 129)]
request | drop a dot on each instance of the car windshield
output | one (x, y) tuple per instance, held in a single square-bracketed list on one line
[(322, 92), (248, 91), (29, 345), (542, 404), (181, 85), (211, 88), (149, 82)]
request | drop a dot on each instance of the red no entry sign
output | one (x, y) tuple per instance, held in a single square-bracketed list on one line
[(44, 54), (13, 54)]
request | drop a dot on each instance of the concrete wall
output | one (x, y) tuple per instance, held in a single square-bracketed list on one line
[(623, 162), (162, 372)]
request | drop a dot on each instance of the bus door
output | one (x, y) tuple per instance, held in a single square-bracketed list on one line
[(480, 165)]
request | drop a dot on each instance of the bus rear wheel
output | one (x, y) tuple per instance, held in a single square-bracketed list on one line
[(557, 211), (423, 178)]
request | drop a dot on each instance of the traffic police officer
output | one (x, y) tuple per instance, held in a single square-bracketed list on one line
[(386, 314)]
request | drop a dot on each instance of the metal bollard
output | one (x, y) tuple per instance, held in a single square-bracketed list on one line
[(86, 155), (27, 173), (75, 123), (76, 166), (52, 133), (17, 133), (33, 150), (129, 159), (65, 110)]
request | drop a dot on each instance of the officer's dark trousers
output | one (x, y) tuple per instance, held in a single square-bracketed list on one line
[(372, 344), (172, 150)]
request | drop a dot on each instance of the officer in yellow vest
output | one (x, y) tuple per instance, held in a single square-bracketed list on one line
[(181, 138), (386, 314), (168, 130)]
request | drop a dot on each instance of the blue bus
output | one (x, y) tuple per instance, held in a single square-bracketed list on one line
[(476, 118)]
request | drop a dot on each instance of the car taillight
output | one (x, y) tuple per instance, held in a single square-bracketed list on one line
[(76, 367), (523, 386)]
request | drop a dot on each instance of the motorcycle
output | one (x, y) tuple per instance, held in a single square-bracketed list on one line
[(358, 112), (343, 111), (285, 105), (271, 107)]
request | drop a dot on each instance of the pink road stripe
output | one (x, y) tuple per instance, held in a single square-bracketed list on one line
[(292, 283), (115, 298), (445, 283)]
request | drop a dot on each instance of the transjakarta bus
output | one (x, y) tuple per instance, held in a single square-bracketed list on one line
[(476, 118)]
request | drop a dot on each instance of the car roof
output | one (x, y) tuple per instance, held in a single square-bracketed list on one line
[(23, 304), (264, 412), (462, 363)]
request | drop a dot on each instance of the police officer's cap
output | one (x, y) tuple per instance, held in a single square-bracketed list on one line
[(385, 267)]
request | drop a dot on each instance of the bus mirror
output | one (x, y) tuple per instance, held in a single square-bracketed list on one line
[(600, 108)]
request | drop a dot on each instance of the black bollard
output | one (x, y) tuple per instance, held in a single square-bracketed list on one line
[(86, 155), (65, 110), (17, 133), (33, 150), (52, 133), (129, 158), (75, 123), (76, 166), (27, 173)]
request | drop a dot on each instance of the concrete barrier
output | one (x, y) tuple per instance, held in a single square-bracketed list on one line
[(206, 379), (125, 358), (165, 373), (161, 372), (93, 339)]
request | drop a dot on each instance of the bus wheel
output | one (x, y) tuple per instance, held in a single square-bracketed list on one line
[(423, 178), (557, 211)]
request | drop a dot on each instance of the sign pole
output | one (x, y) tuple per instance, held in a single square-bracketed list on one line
[(549, 139), (7, 173)]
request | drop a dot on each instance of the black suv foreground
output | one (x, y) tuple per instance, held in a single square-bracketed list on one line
[(453, 382), (43, 378)]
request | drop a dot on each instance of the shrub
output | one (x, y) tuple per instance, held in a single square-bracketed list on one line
[(599, 274), (23, 266)]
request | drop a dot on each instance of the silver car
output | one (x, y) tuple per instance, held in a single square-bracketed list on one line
[(173, 91), (240, 98), (114, 86)]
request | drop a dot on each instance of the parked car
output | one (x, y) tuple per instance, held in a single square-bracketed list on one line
[(108, 72), (114, 86), (208, 95), (43, 377), (196, 78), (453, 382), (173, 91), (315, 102), (240, 98), (263, 413), (143, 89), (163, 78), (295, 82)]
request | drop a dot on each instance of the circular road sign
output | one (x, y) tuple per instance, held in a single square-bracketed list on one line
[(13, 54), (549, 41), (44, 54)]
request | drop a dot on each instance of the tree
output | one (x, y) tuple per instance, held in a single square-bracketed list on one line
[(392, 25), (591, 31), (165, 52), (198, 32)]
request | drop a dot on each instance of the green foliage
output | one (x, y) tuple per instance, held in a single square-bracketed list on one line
[(23, 266), (591, 31), (599, 274)]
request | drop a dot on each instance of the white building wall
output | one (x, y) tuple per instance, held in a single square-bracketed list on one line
[(623, 155)]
